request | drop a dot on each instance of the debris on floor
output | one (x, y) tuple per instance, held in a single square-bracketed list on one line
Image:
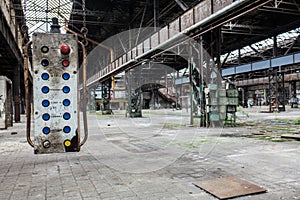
[(291, 136), (229, 187)]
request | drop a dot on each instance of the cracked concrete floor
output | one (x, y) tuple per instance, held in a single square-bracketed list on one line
[(155, 157)]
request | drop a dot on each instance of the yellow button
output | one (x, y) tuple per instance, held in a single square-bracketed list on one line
[(45, 49), (67, 143)]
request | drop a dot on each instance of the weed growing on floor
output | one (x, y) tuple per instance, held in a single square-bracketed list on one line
[(240, 110), (296, 122), (190, 145)]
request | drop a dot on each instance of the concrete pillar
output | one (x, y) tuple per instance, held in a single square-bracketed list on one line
[(16, 93)]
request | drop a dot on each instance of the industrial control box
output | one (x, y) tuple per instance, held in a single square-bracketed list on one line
[(55, 92)]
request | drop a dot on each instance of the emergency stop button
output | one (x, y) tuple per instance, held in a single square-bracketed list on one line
[(65, 49)]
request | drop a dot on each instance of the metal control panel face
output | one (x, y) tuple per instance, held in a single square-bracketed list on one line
[(55, 93)]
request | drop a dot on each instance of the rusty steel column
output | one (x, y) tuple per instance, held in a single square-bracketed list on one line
[(281, 93), (293, 89), (16, 93)]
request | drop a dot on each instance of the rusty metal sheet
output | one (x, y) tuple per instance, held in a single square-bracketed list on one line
[(229, 187), (202, 10), (147, 45), (174, 27), (187, 19), (164, 34), (154, 40), (140, 49), (219, 4)]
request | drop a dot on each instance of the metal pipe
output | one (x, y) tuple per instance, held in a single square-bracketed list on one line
[(85, 126), (27, 94)]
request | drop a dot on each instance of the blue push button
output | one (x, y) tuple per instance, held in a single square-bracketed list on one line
[(45, 76), (66, 102), (67, 129), (66, 76), (45, 89), (45, 62), (66, 89), (46, 116), (46, 130), (66, 116), (45, 103)]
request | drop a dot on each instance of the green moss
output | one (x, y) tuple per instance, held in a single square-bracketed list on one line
[(296, 122), (190, 145), (172, 125)]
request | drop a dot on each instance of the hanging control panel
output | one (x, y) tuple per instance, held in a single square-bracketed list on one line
[(55, 93)]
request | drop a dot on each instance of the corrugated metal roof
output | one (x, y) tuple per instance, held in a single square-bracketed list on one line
[(283, 40)]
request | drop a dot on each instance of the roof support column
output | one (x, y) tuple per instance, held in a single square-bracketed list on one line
[(16, 92), (275, 47), (218, 35)]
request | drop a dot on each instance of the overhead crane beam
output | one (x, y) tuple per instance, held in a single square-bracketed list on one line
[(207, 23)]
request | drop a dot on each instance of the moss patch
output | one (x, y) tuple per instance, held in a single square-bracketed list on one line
[(190, 145)]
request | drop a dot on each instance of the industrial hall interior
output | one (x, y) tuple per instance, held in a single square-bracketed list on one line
[(150, 99)]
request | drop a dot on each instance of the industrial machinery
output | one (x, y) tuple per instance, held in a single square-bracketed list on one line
[(215, 105), (106, 97), (55, 93), (134, 104), (221, 105), (232, 103)]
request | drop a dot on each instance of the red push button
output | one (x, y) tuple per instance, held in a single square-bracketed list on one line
[(65, 49), (66, 63)]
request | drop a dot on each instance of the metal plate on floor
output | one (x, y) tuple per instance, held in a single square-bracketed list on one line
[(291, 136), (229, 187)]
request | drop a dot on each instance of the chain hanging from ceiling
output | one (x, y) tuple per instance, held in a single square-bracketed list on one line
[(84, 13), (84, 29)]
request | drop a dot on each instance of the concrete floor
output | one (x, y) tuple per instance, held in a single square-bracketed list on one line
[(156, 157)]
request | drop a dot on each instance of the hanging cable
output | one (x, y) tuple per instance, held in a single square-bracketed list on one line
[(84, 29), (85, 124), (25, 8), (84, 13), (24, 27), (27, 93)]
